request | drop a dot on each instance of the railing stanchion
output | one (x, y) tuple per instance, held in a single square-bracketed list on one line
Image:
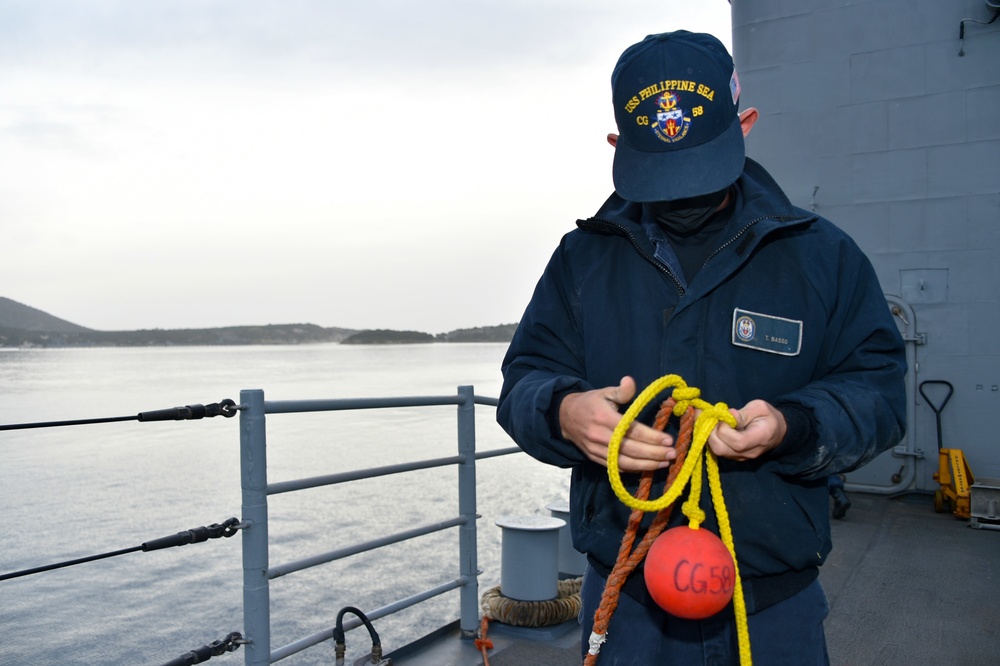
[(253, 475), (257, 571), (469, 609)]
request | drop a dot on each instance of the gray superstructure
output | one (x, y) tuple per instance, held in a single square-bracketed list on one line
[(876, 115)]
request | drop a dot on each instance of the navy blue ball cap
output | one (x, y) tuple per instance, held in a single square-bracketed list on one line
[(676, 98)]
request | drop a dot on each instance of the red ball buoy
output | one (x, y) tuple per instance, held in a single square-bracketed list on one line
[(690, 573)]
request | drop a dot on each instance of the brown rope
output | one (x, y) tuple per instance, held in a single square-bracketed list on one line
[(484, 643), (628, 559)]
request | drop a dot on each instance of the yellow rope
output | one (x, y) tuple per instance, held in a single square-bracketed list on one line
[(691, 471), (739, 603)]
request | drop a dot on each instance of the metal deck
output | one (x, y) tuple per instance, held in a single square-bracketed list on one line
[(910, 586), (906, 586)]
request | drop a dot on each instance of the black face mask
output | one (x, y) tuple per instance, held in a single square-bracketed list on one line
[(686, 216)]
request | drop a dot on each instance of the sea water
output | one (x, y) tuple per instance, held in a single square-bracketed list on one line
[(75, 491)]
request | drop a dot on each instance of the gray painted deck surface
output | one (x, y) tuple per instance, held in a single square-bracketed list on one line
[(909, 586), (906, 587)]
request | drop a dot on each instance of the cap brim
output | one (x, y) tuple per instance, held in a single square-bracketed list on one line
[(679, 174)]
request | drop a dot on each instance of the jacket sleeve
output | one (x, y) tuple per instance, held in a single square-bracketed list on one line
[(857, 398), (543, 364)]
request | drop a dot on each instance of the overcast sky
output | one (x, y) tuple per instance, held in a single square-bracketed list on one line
[(367, 164)]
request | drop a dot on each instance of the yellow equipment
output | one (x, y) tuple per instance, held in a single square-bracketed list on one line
[(953, 473), (956, 481)]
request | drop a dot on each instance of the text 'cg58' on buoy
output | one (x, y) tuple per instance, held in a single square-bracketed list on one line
[(690, 573)]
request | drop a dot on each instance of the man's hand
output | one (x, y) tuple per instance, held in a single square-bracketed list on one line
[(759, 428), (589, 418)]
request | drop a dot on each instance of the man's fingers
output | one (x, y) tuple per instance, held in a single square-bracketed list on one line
[(742, 420), (624, 392), (639, 455)]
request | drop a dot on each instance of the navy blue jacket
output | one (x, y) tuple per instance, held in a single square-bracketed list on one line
[(787, 309)]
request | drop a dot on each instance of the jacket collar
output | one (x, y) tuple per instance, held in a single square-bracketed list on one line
[(761, 209), (761, 198)]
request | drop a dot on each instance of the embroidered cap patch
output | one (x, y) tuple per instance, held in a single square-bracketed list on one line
[(767, 333)]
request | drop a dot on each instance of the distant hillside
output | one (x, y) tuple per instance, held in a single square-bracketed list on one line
[(381, 336), (501, 333), (24, 326), (26, 318), (272, 334)]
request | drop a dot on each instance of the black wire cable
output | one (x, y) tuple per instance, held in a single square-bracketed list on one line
[(230, 643), (69, 563), (52, 424), (339, 638), (226, 408), (196, 535)]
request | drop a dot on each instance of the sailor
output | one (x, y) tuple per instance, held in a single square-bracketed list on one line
[(841, 502), (698, 265)]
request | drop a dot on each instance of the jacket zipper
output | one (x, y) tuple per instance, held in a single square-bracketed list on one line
[(732, 240), (638, 248), (780, 218)]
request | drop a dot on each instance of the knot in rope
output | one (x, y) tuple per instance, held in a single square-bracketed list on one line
[(707, 420), (684, 395), (691, 508)]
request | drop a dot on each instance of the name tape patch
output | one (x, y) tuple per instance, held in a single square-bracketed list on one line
[(767, 333)]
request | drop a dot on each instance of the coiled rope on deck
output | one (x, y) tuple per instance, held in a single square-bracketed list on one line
[(566, 606), (687, 467)]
